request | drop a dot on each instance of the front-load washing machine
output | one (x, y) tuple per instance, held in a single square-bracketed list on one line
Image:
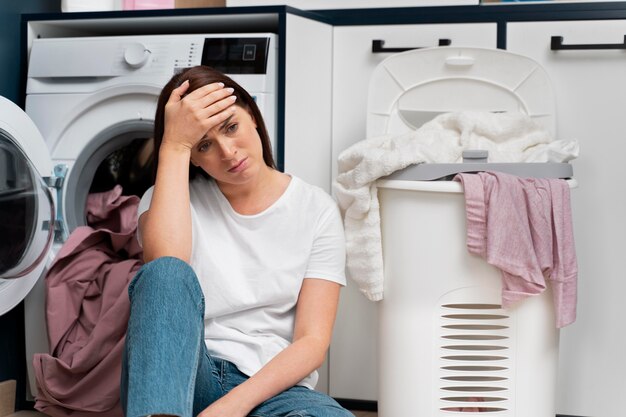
[(89, 103)]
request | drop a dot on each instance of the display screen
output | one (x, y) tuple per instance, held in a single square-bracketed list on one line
[(236, 55)]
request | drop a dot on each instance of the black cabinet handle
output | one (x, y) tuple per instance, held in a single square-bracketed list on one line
[(377, 46), (556, 44)]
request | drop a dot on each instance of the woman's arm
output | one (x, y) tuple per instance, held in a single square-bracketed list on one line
[(166, 226), (315, 317)]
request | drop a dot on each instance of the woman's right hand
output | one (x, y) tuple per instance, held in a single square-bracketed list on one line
[(188, 118)]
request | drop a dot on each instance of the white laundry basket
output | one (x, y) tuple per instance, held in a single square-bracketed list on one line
[(447, 348)]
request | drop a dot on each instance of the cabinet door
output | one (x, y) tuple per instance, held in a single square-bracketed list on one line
[(308, 72), (353, 352), (590, 90)]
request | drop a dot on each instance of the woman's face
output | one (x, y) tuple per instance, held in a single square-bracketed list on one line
[(231, 152)]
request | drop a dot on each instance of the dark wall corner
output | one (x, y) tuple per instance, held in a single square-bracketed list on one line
[(10, 18), (12, 350)]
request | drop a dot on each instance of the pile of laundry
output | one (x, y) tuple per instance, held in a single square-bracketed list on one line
[(87, 311)]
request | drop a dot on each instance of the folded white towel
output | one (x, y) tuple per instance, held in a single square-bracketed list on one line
[(509, 137)]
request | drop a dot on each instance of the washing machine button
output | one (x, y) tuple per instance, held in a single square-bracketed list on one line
[(249, 52)]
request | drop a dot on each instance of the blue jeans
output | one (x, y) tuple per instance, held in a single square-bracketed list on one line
[(166, 368)]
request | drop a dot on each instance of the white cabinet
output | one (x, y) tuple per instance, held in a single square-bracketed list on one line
[(308, 83), (353, 373), (308, 72), (590, 90)]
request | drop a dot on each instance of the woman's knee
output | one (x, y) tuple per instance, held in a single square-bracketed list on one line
[(164, 277)]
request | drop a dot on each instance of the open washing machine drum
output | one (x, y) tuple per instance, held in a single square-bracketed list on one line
[(411, 88)]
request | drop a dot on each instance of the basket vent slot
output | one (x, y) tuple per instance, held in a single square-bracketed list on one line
[(473, 306), (475, 347), (475, 368), (475, 327), (475, 399), (474, 378), (476, 316), (473, 409), (475, 358), (474, 388), (475, 337)]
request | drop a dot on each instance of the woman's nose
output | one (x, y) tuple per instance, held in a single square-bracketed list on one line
[(227, 148)]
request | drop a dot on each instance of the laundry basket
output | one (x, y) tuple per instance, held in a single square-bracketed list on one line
[(446, 347)]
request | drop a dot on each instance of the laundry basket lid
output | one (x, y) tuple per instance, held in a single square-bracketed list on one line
[(410, 88)]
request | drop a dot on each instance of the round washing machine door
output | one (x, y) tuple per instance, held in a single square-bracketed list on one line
[(106, 127), (26, 205)]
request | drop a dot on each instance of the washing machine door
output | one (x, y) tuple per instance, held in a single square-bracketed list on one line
[(26, 204)]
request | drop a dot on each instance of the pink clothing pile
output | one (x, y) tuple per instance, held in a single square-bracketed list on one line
[(87, 311), (523, 226)]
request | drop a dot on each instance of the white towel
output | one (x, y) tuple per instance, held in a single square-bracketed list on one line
[(509, 137)]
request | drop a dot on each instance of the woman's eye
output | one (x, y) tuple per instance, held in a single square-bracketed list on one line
[(232, 128), (204, 146)]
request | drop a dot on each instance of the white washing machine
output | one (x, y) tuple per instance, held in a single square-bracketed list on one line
[(90, 102)]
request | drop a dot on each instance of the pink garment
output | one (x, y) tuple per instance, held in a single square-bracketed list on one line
[(469, 409), (523, 226), (87, 311)]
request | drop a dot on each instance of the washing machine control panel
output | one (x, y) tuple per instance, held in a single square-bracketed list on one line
[(83, 60)]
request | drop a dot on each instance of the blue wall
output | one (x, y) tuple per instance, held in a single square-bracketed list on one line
[(10, 11), (12, 355)]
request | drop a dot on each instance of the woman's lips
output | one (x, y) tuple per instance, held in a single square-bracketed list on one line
[(243, 164)]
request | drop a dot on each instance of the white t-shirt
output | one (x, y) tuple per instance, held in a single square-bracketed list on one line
[(251, 267)]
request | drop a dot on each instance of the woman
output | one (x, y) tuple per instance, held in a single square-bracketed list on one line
[(234, 309)]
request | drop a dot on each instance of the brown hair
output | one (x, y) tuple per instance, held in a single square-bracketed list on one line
[(199, 76)]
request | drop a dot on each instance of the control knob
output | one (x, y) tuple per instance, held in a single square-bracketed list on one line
[(136, 55)]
